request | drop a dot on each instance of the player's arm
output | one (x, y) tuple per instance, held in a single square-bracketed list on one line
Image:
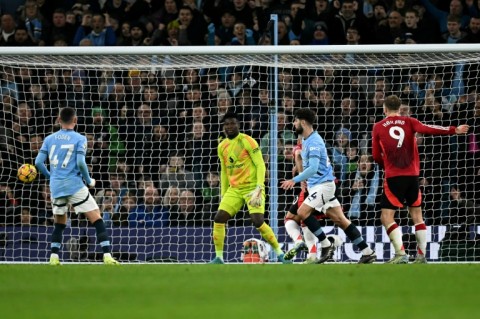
[(437, 130), (223, 174), (82, 164), (256, 155), (314, 163), (256, 196), (40, 161), (376, 149), (298, 161)]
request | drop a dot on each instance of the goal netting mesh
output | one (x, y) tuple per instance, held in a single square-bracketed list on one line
[(152, 122)]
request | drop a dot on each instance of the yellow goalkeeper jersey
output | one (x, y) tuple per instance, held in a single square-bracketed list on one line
[(242, 163)]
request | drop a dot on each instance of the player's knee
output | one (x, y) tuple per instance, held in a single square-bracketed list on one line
[(221, 217), (257, 220)]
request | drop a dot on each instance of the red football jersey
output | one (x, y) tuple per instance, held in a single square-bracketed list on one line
[(395, 146)]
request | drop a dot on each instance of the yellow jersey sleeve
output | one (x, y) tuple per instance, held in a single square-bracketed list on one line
[(257, 160), (223, 170)]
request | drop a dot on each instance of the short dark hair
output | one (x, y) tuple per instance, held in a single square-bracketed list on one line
[(305, 114), (229, 115), (67, 114), (392, 103)]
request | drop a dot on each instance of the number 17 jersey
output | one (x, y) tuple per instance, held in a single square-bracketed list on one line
[(394, 145), (61, 149)]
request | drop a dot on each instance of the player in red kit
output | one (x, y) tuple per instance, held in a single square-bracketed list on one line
[(395, 149)]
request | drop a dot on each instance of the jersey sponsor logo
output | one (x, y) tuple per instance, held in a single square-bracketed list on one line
[(314, 148)]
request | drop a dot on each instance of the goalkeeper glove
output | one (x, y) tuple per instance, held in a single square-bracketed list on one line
[(256, 197)]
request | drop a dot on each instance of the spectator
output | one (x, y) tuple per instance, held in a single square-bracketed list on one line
[(211, 192), (379, 16), (416, 32), (176, 174), (362, 191), (285, 136), (189, 213), (393, 32), (225, 31), (59, 29), (473, 31), (129, 204), (192, 27), (7, 26), (109, 206), (199, 150), (106, 133), (116, 8), (167, 14), (340, 160), (33, 21), (21, 37), (138, 35), (456, 8), (320, 34), (150, 213), (242, 35), (345, 18), (454, 34), (97, 29), (170, 199)]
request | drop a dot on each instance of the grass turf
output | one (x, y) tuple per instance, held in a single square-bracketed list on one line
[(239, 291)]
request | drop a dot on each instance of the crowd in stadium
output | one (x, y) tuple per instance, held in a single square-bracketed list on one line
[(152, 137), (237, 22)]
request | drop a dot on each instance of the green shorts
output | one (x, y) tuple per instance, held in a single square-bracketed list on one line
[(235, 198)]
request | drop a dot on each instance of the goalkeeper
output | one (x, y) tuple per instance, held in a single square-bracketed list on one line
[(242, 181)]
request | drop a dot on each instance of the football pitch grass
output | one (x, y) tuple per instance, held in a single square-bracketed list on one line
[(337, 291)]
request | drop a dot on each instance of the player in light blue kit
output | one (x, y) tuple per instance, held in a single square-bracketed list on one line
[(318, 173), (66, 151)]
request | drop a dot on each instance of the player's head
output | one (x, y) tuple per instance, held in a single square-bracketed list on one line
[(67, 116), (303, 118), (230, 125), (392, 103)]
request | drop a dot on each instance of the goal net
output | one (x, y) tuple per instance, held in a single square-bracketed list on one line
[(152, 118)]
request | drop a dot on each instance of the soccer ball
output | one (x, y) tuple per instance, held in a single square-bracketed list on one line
[(27, 173)]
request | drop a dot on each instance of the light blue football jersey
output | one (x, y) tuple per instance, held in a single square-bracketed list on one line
[(314, 146), (62, 148)]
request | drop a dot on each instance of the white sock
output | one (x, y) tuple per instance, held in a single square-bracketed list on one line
[(367, 251), (54, 255), (421, 236), (395, 234), (293, 230), (326, 243), (107, 255), (311, 241)]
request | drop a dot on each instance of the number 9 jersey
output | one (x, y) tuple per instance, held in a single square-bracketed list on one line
[(62, 148), (394, 145)]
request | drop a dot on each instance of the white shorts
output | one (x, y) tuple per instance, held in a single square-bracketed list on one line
[(322, 197), (81, 201)]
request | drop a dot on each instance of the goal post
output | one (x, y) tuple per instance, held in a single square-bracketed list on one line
[(152, 118)]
